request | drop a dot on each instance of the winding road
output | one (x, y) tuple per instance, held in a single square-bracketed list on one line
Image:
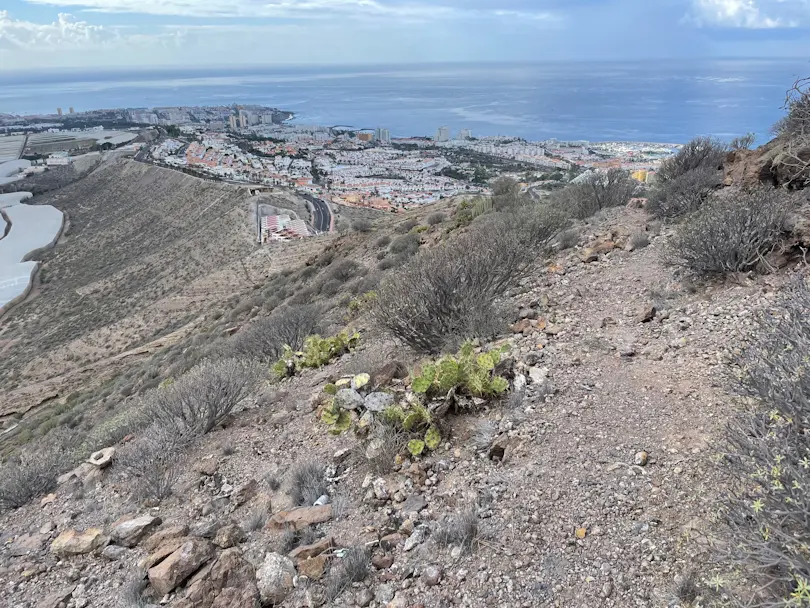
[(321, 213)]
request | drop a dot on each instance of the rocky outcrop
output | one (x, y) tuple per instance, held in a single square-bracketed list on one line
[(275, 579), (773, 164), (229, 582), (181, 564), (129, 530)]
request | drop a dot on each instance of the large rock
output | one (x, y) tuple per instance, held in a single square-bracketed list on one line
[(245, 493), (378, 402), (162, 535), (181, 564), (313, 550), (349, 399), (103, 458), (229, 582), (229, 536), (128, 531), (275, 579), (300, 518), (313, 567), (71, 542)]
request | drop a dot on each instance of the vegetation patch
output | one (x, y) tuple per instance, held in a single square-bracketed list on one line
[(316, 353)]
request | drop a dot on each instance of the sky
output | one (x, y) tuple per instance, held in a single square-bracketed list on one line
[(89, 34)]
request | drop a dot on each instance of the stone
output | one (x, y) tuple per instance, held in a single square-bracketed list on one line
[(323, 499), (103, 458), (114, 552), (228, 582), (207, 529), (349, 399), (313, 567), (384, 593), (363, 598), (300, 518), (128, 531), (417, 538), (522, 327), (378, 402), (47, 527), (217, 504), (180, 565), (382, 562), (628, 351), (528, 313), (161, 536), (390, 541), (47, 500), (380, 489), (588, 255), (604, 247), (538, 375), (71, 542), (245, 493), (432, 575), (229, 536), (275, 579), (641, 458), (56, 599), (206, 466), (27, 544), (647, 315), (313, 550), (168, 547), (236, 597)]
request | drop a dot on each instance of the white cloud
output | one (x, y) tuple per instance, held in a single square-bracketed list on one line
[(750, 14), (295, 9)]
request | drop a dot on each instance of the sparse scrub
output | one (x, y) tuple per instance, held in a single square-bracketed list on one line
[(205, 396), (743, 142), (362, 225), (639, 240), (406, 226), (701, 152), (434, 219), (353, 568), (265, 338), (445, 294), (567, 239), (255, 520), (406, 245), (344, 270), (34, 471), (684, 193), (770, 457), (794, 131), (460, 529), (730, 234), (506, 194), (307, 483), (384, 241), (154, 462), (597, 191)]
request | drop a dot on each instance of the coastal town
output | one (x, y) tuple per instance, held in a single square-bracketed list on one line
[(265, 147)]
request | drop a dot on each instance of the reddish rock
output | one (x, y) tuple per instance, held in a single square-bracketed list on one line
[(314, 549), (300, 518), (390, 541), (229, 582), (164, 534), (382, 562), (313, 567), (245, 493), (180, 565)]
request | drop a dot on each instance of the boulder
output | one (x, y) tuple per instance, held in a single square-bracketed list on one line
[(103, 458), (313, 567), (181, 564), (414, 504), (71, 542), (229, 536), (56, 599), (245, 493), (349, 399), (378, 402), (275, 579), (27, 544), (206, 466), (229, 582), (313, 550), (159, 537), (114, 552), (128, 531), (300, 518)]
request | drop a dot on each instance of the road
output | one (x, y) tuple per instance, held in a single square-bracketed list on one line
[(321, 215)]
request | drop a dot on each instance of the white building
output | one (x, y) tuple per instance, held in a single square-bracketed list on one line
[(443, 134), (383, 136), (465, 134)]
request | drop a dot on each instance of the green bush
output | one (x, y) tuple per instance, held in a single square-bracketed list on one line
[(317, 352), (470, 373)]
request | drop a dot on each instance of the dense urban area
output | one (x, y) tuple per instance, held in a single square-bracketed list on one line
[(260, 146)]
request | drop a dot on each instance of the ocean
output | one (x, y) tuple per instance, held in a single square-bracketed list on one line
[(657, 101)]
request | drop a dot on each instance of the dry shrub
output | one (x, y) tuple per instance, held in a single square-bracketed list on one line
[(446, 294), (264, 339), (461, 529), (205, 396), (684, 193), (154, 461), (434, 219), (596, 191), (639, 240), (353, 568), (307, 483), (406, 245), (770, 457), (730, 234), (794, 131), (362, 225), (701, 152)]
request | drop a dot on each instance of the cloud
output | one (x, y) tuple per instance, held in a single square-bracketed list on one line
[(750, 14), (419, 10)]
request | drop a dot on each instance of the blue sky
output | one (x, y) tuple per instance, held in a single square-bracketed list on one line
[(113, 33)]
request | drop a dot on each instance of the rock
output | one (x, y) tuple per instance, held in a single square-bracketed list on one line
[(207, 529), (245, 493), (588, 255), (312, 550), (300, 518), (501, 448), (378, 402), (380, 489), (363, 598), (27, 544), (432, 575), (641, 458), (382, 562), (217, 504), (313, 567), (161, 536), (384, 593), (527, 313), (389, 542), (414, 504), (128, 530), (647, 315), (323, 499), (47, 527), (114, 552), (71, 542), (56, 599), (604, 247), (275, 579), (162, 552), (627, 351), (181, 564), (417, 538), (229, 536), (522, 327), (47, 500), (538, 375), (206, 466), (394, 370), (229, 582), (103, 458), (349, 399)]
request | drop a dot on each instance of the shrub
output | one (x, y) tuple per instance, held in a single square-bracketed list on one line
[(461, 529), (154, 461), (701, 152), (383, 241), (317, 353), (434, 219), (445, 294), (596, 191), (344, 270), (684, 194), (794, 131), (730, 234), (406, 226), (205, 396), (567, 239), (362, 225), (265, 339), (307, 483), (34, 471), (639, 240), (407, 244), (770, 456), (389, 263), (743, 142), (255, 520), (353, 568), (505, 194)]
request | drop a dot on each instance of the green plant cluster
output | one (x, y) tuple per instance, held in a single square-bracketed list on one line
[(469, 210), (471, 373), (363, 302), (317, 352), (414, 420)]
